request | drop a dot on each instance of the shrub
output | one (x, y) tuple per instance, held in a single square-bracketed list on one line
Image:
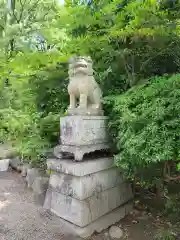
[(165, 234), (145, 124), (128, 40), (31, 105)]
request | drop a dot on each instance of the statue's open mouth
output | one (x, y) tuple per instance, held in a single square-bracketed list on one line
[(81, 65)]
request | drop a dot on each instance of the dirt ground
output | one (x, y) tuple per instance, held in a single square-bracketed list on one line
[(22, 218), (138, 226)]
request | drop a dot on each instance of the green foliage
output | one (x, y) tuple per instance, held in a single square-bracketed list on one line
[(172, 208), (165, 234), (21, 22), (145, 125), (21, 129), (33, 97), (172, 205), (129, 41), (49, 127)]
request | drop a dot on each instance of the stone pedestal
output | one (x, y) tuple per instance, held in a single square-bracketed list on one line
[(81, 135), (89, 195)]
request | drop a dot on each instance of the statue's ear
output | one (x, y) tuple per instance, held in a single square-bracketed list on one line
[(72, 59), (89, 59)]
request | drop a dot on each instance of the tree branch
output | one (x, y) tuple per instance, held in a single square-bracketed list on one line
[(13, 7), (34, 6), (1, 27), (22, 9), (167, 172), (169, 178), (31, 10)]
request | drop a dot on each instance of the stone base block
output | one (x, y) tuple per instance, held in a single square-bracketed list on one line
[(88, 112), (85, 194), (85, 186), (83, 212), (102, 223), (83, 130), (4, 165), (81, 135), (80, 169)]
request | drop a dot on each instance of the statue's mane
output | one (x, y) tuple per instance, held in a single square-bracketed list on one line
[(72, 65), (75, 59)]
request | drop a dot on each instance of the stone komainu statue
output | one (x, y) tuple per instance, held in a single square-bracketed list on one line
[(83, 89)]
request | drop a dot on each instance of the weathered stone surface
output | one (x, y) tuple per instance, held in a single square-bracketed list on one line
[(19, 168), (115, 232), (32, 174), (4, 165), (82, 213), (85, 112), (83, 130), (100, 224), (80, 168), (24, 170), (79, 151), (83, 87), (84, 187), (40, 185), (15, 163), (70, 209), (39, 198), (81, 135), (48, 198), (76, 198)]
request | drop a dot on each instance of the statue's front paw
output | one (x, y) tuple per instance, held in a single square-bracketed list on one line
[(82, 107), (70, 107)]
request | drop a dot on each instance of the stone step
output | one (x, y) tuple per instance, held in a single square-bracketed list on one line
[(80, 169)]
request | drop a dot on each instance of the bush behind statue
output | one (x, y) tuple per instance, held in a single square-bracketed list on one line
[(145, 124), (30, 111)]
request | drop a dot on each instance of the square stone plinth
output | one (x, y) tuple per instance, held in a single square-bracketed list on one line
[(85, 186), (84, 212), (78, 151), (100, 224), (83, 192), (83, 130), (80, 169)]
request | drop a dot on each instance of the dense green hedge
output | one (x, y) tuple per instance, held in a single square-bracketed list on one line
[(31, 106), (145, 125)]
